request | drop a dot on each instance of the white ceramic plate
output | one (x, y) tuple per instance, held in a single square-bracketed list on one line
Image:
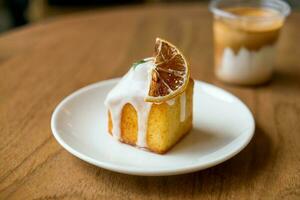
[(223, 126)]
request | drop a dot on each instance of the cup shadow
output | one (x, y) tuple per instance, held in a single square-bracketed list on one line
[(285, 79)]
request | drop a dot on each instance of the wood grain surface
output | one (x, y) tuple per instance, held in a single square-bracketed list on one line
[(42, 63)]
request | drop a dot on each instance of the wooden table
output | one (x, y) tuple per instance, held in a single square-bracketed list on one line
[(42, 63)]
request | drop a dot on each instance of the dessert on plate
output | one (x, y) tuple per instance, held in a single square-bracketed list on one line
[(151, 106)]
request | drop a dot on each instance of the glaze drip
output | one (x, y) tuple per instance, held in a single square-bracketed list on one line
[(132, 89), (182, 106)]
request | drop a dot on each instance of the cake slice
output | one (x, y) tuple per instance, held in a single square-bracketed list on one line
[(167, 123), (151, 106)]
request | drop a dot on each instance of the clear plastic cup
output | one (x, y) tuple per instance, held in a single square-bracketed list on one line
[(245, 37)]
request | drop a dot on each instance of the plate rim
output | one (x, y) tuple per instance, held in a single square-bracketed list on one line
[(138, 171)]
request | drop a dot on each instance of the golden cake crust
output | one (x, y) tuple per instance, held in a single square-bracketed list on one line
[(164, 126)]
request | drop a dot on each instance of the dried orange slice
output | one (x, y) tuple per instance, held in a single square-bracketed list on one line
[(170, 75)]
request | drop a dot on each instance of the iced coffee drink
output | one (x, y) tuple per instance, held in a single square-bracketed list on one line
[(245, 37)]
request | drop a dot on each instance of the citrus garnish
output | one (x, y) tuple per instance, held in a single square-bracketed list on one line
[(170, 75)]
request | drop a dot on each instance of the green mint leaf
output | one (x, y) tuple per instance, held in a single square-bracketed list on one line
[(134, 65)]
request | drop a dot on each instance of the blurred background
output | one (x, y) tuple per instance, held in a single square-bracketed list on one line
[(15, 13)]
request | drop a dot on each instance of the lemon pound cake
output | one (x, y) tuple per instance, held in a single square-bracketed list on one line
[(151, 106)]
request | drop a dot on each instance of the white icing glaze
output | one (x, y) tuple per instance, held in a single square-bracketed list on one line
[(247, 66), (182, 106), (132, 89)]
